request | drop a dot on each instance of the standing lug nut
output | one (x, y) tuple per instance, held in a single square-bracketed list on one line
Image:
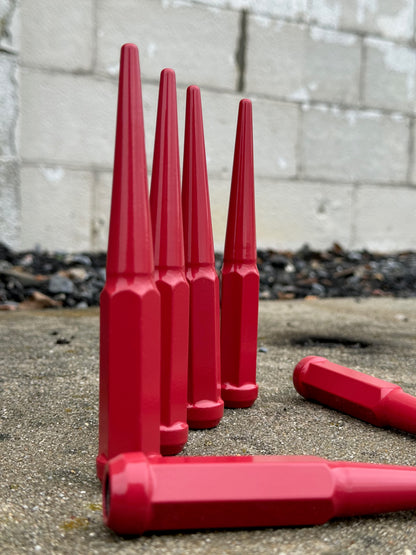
[(205, 406), (165, 207), (129, 411), (240, 276)]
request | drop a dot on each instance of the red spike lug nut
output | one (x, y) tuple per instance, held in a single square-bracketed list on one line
[(373, 400), (129, 406), (157, 493), (240, 276), (165, 207), (205, 406)]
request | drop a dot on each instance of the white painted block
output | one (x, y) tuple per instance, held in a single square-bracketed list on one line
[(219, 193), (293, 9), (9, 202), (385, 218), (8, 104), (67, 118), (298, 63), (101, 205), (331, 66), (198, 43), (9, 25), (388, 18), (275, 57), (413, 157), (275, 138), (292, 213), (349, 145), (274, 129), (289, 213), (56, 208), (390, 75), (57, 33)]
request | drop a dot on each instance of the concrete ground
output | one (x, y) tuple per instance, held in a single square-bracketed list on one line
[(50, 500)]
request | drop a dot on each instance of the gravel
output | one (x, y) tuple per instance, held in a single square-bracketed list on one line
[(40, 279)]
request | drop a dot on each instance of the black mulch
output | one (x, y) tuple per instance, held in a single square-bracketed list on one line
[(36, 279)]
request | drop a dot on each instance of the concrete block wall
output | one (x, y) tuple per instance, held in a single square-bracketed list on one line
[(9, 162), (333, 85)]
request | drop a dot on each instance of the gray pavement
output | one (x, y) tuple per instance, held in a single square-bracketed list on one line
[(50, 499)]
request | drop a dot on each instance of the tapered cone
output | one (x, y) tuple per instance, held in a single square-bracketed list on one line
[(205, 406), (240, 276), (166, 211), (129, 411)]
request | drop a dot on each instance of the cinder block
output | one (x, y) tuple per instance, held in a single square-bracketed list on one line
[(56, 208), (275, 132), (350, 145), (8, 104), (328, 13), (275, 56), (291, 9), (57, 33), (292, 213), (220, 120), (293, 61), (199, 43), (67, 118), (332, 66), (275, 129), (101, 203), (413, 157), (10, 202), (390, 75), (384, 218), (389, 18), (9, 25), (219, 194)]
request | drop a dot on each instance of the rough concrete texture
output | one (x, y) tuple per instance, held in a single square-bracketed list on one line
[(50, 497)]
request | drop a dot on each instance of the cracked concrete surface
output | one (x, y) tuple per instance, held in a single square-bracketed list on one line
[(50, 497)]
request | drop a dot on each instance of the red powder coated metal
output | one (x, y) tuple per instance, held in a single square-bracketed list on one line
[(154, 493), (240, 276), (166, 211), (129, 413), (205, 406), (375, 401)]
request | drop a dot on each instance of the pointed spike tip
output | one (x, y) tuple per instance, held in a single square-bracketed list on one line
[(168, 84), (240, 242), (193, 89), (165, 195), (130, 249), (168, 72), (129, 46), (199, 244), (193, 94)]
